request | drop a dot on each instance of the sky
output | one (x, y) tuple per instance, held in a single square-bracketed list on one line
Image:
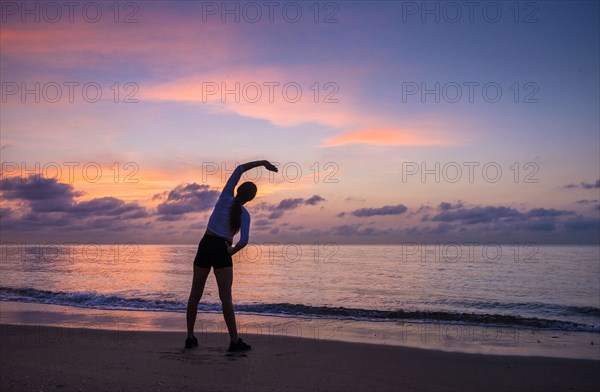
[(390, 121)]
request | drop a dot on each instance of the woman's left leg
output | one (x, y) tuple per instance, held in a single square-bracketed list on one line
[(200, 276)]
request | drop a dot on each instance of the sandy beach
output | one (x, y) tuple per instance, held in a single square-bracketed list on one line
[(40, 358)]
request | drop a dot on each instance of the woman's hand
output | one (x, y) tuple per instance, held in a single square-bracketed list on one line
[(230, 250), (269, 166)]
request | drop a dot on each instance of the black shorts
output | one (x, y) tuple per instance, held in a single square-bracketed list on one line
[(212, 252)]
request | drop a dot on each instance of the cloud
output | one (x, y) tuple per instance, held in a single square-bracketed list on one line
[(584, 185), (385, 210), (174, 66), (187, 198), (454, 222), (289, 204), (423, 208), (88, 45), (275, 214), (5, 212), (277, 210), (585, 201), (262, 222), (110, 206), (44, 207), (441, 228), (445, 206), (45, 203), (474, 215), (504, 220), (545, 212), (42, 194), (488, 214), (355, 230), (313, 200), (272, 93), (352, 198), (581, 223)]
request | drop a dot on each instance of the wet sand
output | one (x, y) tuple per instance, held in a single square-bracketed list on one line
[(35, 358)]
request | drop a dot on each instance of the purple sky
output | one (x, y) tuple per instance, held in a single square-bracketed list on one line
[(390, 122)]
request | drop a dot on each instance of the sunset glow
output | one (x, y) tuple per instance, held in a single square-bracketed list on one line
[(481, 130)]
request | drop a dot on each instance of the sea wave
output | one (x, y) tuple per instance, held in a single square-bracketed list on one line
[(87, 299)]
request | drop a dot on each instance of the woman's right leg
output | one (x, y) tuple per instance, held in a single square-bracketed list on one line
[(200, 276), (224, 281)]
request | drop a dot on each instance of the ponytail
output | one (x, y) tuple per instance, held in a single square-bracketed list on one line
[(245, 193), (235, 215)]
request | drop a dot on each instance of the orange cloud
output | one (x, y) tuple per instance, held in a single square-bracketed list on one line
[(284, 96), (387, 137)]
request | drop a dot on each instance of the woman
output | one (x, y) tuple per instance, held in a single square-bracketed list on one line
[(215, 250)]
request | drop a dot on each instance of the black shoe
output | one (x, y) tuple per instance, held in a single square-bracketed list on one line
[(239, 346), (191, 342)]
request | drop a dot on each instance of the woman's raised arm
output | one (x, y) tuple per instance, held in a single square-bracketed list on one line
[(237, 174), (251, 165)]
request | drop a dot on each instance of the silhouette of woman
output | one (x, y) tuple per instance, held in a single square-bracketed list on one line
[(215, 250)]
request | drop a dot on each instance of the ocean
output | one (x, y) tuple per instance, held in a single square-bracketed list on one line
[(530, 286)]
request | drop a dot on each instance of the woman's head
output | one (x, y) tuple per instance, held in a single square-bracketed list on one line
[(246, 192)]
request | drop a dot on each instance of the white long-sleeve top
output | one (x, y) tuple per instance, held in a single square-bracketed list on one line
[(218, 222)]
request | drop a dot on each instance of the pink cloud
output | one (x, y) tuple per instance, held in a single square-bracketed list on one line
[(284, 96), (177, 55), (159, 41)]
